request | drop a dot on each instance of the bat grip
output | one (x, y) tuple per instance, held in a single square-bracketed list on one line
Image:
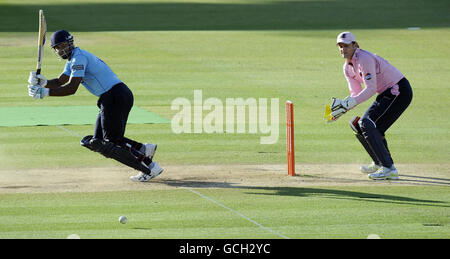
[(38, 72)]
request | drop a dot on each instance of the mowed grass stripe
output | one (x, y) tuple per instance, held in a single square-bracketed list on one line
[(304, 67), (169, 214), (338, 212), (237, 213)]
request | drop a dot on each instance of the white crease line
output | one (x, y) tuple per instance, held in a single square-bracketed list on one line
[(73, 133), (238, 213)]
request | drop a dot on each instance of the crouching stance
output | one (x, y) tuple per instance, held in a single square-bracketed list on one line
[(115, 102), (394, 96), (125, 155)]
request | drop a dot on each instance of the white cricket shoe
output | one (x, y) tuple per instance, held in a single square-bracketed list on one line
[(155, 170), (384, 173), (149, 150), (368, 169)]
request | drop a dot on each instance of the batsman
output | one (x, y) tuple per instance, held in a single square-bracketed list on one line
[(115, 102), (394, 96)]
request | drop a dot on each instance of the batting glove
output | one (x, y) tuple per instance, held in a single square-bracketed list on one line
[(37, 91), (340, 107), (34, 79)]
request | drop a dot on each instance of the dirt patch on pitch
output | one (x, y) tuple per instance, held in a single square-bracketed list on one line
[(212, 176)]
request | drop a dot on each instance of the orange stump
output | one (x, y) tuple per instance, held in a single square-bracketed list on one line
[(290, 138)]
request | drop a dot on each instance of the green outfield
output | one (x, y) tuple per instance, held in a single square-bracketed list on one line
[(164, 50), (412, 212)]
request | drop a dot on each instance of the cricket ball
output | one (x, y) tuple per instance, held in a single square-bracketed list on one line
[(123, 219)]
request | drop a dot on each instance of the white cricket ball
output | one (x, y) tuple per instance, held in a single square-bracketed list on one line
[(73, 236), (373, 236), (123, 219)]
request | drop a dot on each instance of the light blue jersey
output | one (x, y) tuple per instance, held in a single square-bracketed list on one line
[(98, 78)]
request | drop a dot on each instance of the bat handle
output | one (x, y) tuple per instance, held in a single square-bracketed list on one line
[(38, 72)]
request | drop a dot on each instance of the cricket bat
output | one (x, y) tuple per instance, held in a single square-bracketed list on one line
[(41, 40)]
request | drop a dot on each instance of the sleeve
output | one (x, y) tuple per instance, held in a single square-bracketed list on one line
[(367, 68), (78, 66), (67, 70), (353, 85)]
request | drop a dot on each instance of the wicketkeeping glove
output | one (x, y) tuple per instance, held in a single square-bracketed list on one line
[(34, 79), (37, 91), (340, 107)]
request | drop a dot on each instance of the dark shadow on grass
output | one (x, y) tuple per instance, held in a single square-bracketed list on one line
[(195, 184), (258, 15), (345, 194), (425, 180), (327, 193)]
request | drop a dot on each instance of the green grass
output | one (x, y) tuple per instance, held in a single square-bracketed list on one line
[(356, 212), (157, 15), (301, 66), (229, 49)]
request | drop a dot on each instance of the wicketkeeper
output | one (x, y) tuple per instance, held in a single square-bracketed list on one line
[(115, 102), (394, 96)]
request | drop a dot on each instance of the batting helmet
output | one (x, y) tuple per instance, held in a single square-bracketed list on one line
[(60, 37)]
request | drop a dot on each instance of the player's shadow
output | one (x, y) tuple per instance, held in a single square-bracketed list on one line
[(208, 15), (186, 183), (346, 195), (302, 192), (424, 180)]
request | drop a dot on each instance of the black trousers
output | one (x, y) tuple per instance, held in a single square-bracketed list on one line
[(387, 108), (379, 117), (115, 105)]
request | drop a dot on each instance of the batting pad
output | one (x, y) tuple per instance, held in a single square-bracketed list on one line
[(67, 115)]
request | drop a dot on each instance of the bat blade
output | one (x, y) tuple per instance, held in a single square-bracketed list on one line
[(41, 40)]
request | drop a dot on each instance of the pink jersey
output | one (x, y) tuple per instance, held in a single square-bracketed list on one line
[(375, 72)]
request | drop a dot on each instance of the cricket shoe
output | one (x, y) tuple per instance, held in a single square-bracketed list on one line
[(368, 169), (155, 170), (149, 150), (384, 173)]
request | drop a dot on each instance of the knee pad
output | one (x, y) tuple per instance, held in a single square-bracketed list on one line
[(118, 153), (375, 141), (98, 145), (355, 126), (103, 147), (366, 124)]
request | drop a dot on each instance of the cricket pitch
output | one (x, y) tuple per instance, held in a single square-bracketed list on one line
[(212, 176)]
